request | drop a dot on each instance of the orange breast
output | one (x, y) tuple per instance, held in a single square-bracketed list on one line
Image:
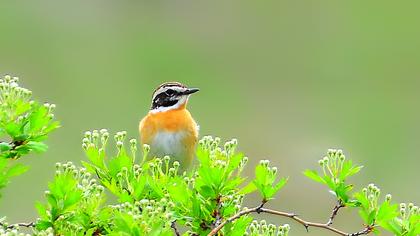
[(176, 120)]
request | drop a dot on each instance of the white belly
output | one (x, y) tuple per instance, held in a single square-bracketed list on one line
[(168, 143)]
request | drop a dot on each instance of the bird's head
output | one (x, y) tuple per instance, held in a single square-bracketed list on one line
[(170, 95)]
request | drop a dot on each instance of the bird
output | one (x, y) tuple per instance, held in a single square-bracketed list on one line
[(169, 128)]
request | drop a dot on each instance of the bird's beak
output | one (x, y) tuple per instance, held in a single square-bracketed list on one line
[(190, 91)]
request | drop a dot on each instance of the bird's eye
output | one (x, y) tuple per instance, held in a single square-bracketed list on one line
[(170, 92)]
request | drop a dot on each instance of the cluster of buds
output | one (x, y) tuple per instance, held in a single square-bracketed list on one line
[(220, 157), (137, 171), (12, 232), (332, 163), (149, 212), (408, 211), (47, 232), (86, 183), (10, 92), (124, 178), (262, 229), (73, 228), (372, 194), (163, 168), (98, 140), (119, 138), (242, 164), (209, 143), (212, 145), (95, 139), (271, 170), (66, 168), (50, 109), (230, 146), (235, 200), (15, 101), (190, 181)]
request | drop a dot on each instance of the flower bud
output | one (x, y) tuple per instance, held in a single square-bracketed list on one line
[(133, 142), (176, 164), (274, 170), (410, 206), (85, 140), (234, 142), (52, 107), (146, 148), (415, 210), (95, 135), (88, 134), (58, 165)]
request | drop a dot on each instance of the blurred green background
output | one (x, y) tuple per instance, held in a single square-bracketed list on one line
[(289, 79)]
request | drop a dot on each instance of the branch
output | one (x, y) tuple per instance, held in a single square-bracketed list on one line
[(235, 217), (216, 213), (335, 211), (306, 224), (26, 225), (173, 226)]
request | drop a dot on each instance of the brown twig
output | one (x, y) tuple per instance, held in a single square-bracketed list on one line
[(216, 213), (335, 211), (27, 225), (233, 218), (173, 226), (306, 224)]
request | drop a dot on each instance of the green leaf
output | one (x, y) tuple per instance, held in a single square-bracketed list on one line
[(249, 188), (38, 118), (280, 184), (43, 225), (238, 227), (16, 170), (392, 226), (5, 147), (314, 176), (42, 210), (13, 129), (72, 198), (386, 212), (36, 146), (261, 174)]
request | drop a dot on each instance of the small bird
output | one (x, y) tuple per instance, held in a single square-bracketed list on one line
[(169, 128)]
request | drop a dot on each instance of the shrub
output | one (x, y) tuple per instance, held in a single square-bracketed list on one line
[(154, 198)]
